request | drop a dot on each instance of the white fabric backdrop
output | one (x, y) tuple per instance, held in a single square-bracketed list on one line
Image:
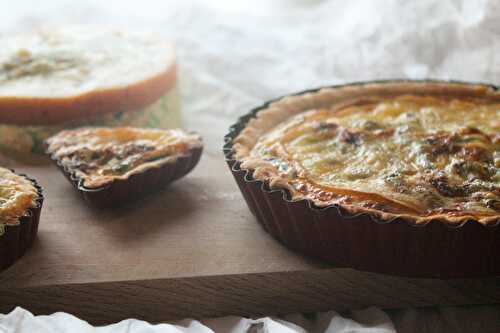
[(484, 319), (371, 321), (233, 55)]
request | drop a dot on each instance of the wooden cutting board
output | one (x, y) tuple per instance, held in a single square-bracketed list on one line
[(192, 250)]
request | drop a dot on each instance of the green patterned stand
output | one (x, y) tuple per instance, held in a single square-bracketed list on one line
[(163, 113)]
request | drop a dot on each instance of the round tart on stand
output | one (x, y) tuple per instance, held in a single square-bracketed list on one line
[(68, 77), (21, 200), (399, 177), (110, 166)]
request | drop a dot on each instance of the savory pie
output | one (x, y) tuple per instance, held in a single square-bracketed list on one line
[(101, 155), (418, 156), (60, 78), (20, 204), (98, 158), (52, 76), (395, 177)]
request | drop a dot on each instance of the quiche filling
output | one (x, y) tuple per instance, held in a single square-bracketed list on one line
[(23, 64), (17, 196), (409, 155), (101, 155), (74, 60)]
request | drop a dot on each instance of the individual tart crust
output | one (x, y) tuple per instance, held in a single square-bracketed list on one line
[(266, 150), (21, 200), (110, 166)]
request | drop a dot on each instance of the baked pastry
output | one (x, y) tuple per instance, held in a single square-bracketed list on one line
[(112, 165), (54, 79), (21, 200), (387, 157)]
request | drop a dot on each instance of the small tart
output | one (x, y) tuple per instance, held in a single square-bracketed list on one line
[(100, 159), (53, 76), (20, 204), (399, 177), (17, 196)]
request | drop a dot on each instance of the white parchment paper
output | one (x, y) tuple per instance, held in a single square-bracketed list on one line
[(234, 55), (371, 321)]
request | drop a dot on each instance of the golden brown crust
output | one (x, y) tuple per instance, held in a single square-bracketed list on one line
[(100, 155), (285, 108), (17, 195), (52, 111)]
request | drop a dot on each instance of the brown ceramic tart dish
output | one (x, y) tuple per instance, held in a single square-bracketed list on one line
[(21, 200), (111, 166), (397, 177)]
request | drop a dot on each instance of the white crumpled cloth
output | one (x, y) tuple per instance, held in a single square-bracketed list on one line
[(233, 55), (372, 320), (484, 319)]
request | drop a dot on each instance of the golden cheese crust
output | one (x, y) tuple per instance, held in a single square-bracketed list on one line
[(101, 155), (419, 156), (17, 196)]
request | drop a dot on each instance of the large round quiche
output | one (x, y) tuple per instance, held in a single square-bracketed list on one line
[(398, 177), (65, 77)]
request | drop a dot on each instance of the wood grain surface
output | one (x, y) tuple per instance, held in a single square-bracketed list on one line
[(192, 250), (246, 294)]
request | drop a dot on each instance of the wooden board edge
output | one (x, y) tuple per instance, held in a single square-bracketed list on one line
[(246, 295)]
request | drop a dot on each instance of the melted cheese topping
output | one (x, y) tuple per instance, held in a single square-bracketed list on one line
[(17, 196), (73, 61), (419, 156), (101, 155)]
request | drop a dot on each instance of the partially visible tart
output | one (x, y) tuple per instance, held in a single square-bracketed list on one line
[(72, 76), (113, 165), (20, 204), (397, 153)]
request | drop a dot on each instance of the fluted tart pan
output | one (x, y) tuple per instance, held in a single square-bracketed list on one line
[(17, 238), (363, 240), (137, 185), (167, 163)]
